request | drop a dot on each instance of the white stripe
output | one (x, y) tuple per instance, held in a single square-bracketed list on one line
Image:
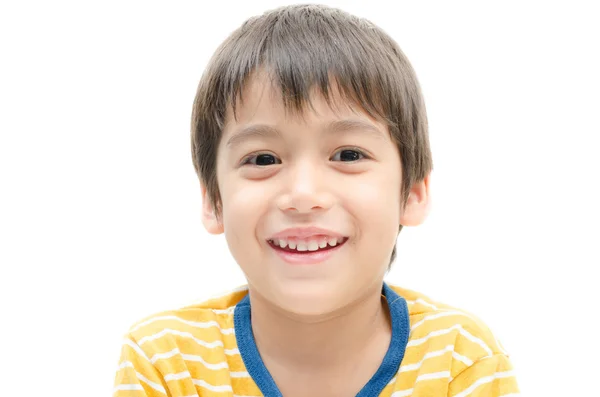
[(478, 321), (439, 332), (402, 393), (162, 356), (181, 375), (189, 357), (168, 331), (135, 347), (127, 387), (196, 324), (125, 364), (153, 385), (438, 315), (239, 374), (465, 360), (435, 375), (422, 302), (199, 359), (140, 325), (201, 383), (474, 339), (431, 376), (485, 379), (229, 310), (437, 353)]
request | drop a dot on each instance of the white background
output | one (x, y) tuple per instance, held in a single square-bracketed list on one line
[(100, 207)]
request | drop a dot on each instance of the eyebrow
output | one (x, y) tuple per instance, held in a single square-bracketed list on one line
[(253, 131), (355, 125), (335, 127)]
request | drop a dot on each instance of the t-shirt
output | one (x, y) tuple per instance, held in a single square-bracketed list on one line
[(208, 349)]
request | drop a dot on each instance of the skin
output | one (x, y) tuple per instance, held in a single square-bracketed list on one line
[(330, 316)]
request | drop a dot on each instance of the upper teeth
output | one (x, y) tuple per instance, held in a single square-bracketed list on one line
[(307, 245)]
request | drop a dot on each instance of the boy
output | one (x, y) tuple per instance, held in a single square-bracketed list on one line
[(309, 136)]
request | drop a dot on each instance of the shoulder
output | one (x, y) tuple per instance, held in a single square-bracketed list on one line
[(435, 327), (451, 351), (168, 348), (208, 319)]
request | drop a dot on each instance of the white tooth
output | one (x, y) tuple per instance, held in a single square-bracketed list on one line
[(333, 241), (313, 246), (292, 245), (282, 243), (301, 246), (323, 244)]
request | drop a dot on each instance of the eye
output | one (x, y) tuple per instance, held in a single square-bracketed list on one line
[(348, 155), (261, 160)]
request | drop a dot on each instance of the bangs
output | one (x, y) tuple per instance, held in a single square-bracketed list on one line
[(301, 52)]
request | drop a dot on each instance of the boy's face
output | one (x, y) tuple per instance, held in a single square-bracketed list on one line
[(280, 175)]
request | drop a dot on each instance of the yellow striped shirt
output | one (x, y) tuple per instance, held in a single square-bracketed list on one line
[(208, 350)]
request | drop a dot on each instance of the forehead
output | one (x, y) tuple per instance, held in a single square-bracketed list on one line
[(261, 101)]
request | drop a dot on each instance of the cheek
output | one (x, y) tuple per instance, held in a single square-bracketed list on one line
[(245, 196), (243, 207), (375, 204)]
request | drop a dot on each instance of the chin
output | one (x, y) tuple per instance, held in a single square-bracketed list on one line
[(308, 300), (307, 310)]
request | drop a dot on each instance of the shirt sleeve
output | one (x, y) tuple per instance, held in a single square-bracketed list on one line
[(136, 375), (492, 376)]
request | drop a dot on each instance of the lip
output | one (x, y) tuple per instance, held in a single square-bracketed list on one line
[(304, 233), (307, 257)]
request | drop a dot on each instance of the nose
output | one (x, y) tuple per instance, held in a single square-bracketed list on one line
[(305, 189)]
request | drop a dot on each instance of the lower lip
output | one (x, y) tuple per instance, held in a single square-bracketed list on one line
[(307, 257)]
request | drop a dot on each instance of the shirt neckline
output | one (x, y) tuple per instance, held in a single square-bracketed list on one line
[(385, 373)]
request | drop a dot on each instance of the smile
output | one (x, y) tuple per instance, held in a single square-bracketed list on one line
[(307, 251), (302, 245)]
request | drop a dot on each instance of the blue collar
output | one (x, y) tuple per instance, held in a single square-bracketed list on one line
[(387, 370)]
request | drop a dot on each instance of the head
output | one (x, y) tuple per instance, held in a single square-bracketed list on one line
[(308, 117)]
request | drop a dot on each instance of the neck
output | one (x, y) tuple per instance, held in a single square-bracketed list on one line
[(329, 341)]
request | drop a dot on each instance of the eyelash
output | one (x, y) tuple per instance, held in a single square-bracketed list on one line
[(247, 159), (361, 153)]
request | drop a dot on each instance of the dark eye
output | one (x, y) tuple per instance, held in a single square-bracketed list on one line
[(348, 155), (262, 160)]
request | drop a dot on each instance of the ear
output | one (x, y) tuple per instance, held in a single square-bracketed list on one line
[(418, 204), (211, 222)]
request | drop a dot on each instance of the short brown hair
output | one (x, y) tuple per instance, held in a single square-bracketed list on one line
[(303, 47)]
